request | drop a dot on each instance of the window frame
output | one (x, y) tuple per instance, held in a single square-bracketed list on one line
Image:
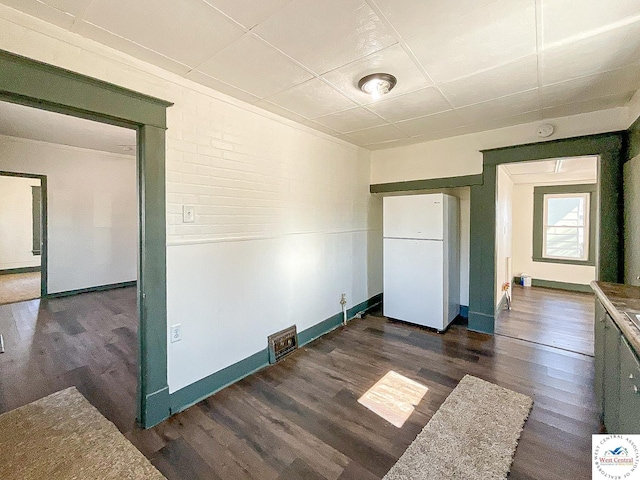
[(539, 209)]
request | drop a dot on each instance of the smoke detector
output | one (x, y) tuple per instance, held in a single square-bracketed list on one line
[(545, 130)]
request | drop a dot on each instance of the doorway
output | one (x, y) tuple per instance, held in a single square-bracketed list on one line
[(547, 228), (58, 90), (22, 236)]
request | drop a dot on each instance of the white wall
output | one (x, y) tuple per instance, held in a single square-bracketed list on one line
[(504, 213), (92, 211), (16, 226), (523, 243), (284, 219), (461, 155)]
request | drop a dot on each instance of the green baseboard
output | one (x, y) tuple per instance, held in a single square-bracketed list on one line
[(481, 322), (194, 393), (464, 311), (154, 410), (198, 391), (501, 304), (98, 288), (572, 287), (9, 271)]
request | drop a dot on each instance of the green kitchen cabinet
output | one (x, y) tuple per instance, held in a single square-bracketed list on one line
[(601, 313), (611, 372), (629, 410)]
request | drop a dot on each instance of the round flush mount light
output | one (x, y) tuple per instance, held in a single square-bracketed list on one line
[(377, 84)]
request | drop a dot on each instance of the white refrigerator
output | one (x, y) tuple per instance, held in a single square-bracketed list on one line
[(421, 259)]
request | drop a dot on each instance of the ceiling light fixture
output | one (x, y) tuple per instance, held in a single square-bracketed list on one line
[(377, 84)]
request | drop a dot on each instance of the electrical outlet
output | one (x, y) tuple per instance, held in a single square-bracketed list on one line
[(188, 214), (176, 333)]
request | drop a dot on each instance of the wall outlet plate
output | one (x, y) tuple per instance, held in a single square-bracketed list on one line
[(188, 214), (176, 333)]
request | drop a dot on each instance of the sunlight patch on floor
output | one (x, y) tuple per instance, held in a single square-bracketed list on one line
[(393, 398)]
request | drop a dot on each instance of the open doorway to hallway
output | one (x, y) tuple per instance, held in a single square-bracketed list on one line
[(83, 332), (547, 230)]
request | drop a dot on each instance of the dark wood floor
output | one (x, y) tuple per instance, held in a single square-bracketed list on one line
[(300, 419), (556, 318)]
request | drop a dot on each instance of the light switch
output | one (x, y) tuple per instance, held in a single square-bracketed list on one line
[(188, 214)]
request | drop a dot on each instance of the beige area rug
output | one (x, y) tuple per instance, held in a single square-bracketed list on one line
[(18, 287), (63, 436), (472, 436)]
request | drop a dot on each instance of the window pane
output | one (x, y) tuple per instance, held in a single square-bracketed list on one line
[(567, 242), (567, 211)]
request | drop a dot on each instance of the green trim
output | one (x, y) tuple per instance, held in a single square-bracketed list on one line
[(538, 220), (36, 219), (633, 140), (610, 148), (198, 391), (464, 311), (427, 184), (97, 288), (31, 83), (48, 85), (571, 287), (10, 271), (481, 323)]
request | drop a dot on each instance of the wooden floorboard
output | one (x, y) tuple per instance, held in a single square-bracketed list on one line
[(300, 419)]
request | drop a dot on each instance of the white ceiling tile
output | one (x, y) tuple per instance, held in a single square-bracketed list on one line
[(100, 35), (319, 127), (248, 12), (432, 123), (495, 34), (528, 168), (189, 31), (508, 79), (382, 133), (411, 105), (614, 82), (48, 13), (564, 19), (600, 53), (312, 99), (591, 105), (222, 87), (323, 35), (350, 120), (492, 123), (501, 107), (255, 67), (278, 110), (393, 60), (72, 7), (410, 17)]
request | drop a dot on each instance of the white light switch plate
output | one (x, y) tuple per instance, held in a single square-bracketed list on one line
[(188, 214)]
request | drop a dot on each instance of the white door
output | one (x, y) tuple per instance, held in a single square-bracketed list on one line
[(413, 281), (413, 216)]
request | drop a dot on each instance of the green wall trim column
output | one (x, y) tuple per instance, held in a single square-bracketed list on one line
[(427, 184), (28, 82), (633, 140), (609, 147), (198, 391)]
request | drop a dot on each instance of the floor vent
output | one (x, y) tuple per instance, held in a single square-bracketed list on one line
[(282, 343)]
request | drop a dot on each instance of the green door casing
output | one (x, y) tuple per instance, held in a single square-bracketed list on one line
[(35, 84)]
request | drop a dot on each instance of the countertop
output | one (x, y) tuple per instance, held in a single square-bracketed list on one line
[(616, 299)]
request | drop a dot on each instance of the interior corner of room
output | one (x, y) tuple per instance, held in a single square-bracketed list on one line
[(232, 259)]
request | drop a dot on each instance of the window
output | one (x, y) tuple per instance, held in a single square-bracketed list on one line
[(564, 224)]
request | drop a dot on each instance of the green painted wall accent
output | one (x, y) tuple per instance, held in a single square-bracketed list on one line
[(28, 82), (633, 140), (571, 287), (610, 148), (97, 288), (428, 184), (194, 393), (538, 213)]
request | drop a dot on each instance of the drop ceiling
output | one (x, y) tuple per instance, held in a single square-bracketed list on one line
[(559, 170), (35, 124), (462, 66)]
